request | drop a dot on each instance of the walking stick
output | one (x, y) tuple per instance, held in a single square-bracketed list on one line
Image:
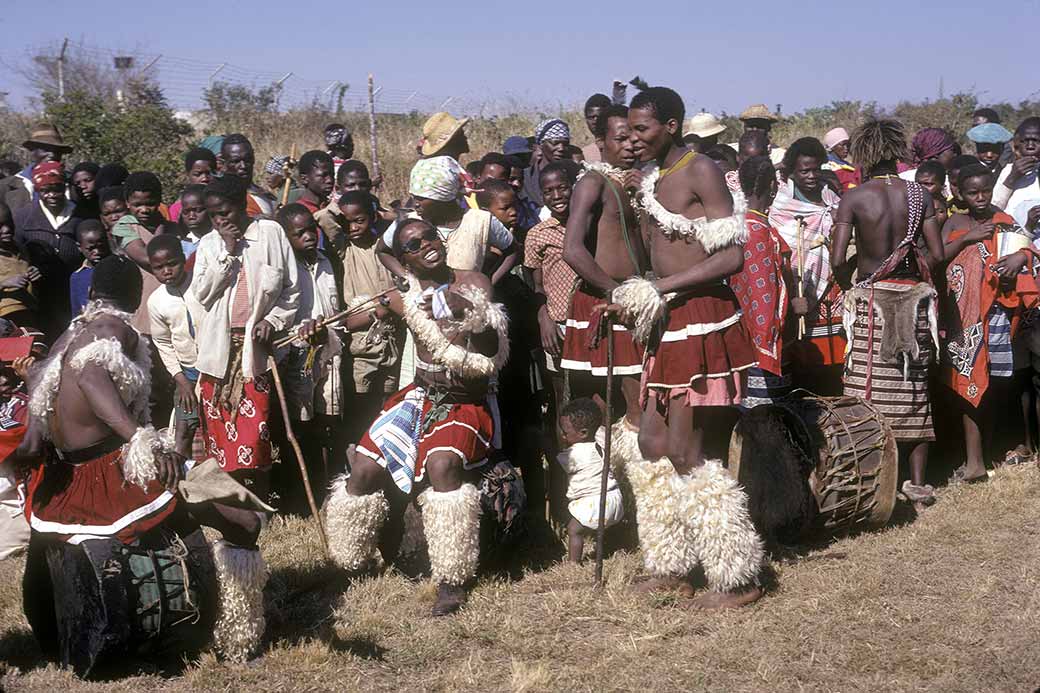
[(286, 171), (801, 272), (376, 173), (600, 530), (299, 453), (338, 317)]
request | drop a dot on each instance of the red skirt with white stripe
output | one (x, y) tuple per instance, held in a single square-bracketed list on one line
[(577, 356), (704, 346), (91, 500)]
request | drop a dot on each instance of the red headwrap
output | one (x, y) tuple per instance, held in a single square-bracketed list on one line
[(930, 143), (48, 173)]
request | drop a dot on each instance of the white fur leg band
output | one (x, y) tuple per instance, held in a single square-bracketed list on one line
[(139, 466), (352, 524), (642, 304), (663, 533), (725, 540), (242, 575), (624, 447), (451, 521)]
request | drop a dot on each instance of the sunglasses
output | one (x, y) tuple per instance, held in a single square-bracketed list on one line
[(415, 244)]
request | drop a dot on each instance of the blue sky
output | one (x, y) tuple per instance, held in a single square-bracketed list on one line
[(719, 55)]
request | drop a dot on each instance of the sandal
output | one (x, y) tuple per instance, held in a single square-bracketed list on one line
[(959, 477), (920, 496)]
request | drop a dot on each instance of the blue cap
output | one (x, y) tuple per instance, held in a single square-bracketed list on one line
[(516, 145), (990, 133)]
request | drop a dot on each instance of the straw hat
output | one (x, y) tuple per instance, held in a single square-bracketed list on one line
[(758, 112), (46, 136), (703, 125), (438, 131)]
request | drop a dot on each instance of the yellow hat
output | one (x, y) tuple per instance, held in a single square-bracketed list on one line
[(438, 130), (758, 112)]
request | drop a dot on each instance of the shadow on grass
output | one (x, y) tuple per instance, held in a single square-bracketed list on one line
[(19, 648)]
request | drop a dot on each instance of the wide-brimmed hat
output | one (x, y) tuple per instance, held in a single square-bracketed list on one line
[(703, 125), (758, 112), (438, 130), (46, 136)]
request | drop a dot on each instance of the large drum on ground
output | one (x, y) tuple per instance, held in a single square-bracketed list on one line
[(842, 446)]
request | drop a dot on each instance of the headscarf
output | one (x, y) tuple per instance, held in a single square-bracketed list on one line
[(48, 173), (834, 137), (437, 178), (930, 143), (551, 129)]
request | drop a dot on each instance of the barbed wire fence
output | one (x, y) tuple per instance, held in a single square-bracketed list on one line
[(184, 80)]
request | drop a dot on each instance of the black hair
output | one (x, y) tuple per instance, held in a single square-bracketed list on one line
[(584, 413), (88, 225), (614, 111), (230, 188), (290, 211), (118, 279), (806, 146), (561, 167), (934, 168), (142, 181), (754, 138), (596, 101), (235, 138), (110, 175), (989, 114), (722, 152), (474, 167), (665, 103), (335, 126), (165, 241), (756, 175), (361, 199), (1030, 123), (5, 208), (489, 189), (88, 166), (112, 192), (194, 189), (973, 171), (311, 159), (395, 247), (348, 167), (963, 160), (199, 154), (9, 167), (495, 159)]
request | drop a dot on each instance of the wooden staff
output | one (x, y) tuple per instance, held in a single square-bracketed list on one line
[(801, 272), (338, 317), (376, 173), (603, 477), (299, 454), (287, 172)]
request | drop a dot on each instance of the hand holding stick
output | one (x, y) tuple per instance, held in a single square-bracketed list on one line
[(604, 475), (287, 172), (801, 272), (339, 317)]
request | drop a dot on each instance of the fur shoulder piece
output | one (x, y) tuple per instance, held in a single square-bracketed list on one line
[(714, 235), (643, 305), (132, 376), (482, 314)]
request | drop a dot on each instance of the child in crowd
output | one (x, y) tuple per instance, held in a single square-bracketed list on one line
[(143, 218), (499, 198), (311, 367), (316, 180), (112, 207), (17, 299), (581, 457), (173, 313), (93, 244), (199, 166), (932, 175), (193, 222), (954, 202)]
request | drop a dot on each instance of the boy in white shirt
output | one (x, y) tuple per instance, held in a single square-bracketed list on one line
[(582, 460), (173, 313)]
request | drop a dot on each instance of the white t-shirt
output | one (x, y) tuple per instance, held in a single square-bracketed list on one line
[(1010, 198)]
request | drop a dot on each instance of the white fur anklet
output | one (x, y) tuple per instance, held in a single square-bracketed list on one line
[(352, 524), (242, 575), (139, 466), (643, 305), (451, 521), (664, 537), (729, 548)]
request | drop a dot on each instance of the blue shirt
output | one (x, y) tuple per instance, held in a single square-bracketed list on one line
[(79, 288)]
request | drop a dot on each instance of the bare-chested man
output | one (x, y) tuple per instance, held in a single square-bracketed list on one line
[(690, 510), (604, 246), (108, 494), (437, 430), (888, 362)]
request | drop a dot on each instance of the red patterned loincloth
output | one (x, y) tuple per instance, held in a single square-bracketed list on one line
[(465, 429), (91, 500), (628, 356), (242, 441), (704, 352)]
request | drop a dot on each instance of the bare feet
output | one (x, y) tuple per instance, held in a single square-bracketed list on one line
[(664, 583), (726, 600), (450, 599)]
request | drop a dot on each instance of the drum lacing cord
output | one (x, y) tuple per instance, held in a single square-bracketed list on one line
[(845, 468), (179, 551)]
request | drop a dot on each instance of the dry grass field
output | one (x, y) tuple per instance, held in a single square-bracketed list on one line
[(946, 602)]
